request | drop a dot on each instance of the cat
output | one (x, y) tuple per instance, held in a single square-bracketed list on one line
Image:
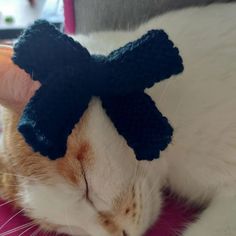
[(99, 188)]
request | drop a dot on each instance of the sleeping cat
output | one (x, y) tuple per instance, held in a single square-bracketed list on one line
[(99, 188)]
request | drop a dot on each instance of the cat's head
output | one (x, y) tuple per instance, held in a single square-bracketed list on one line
[(98, 188)]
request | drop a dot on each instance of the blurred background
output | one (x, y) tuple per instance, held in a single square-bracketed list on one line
[(84, 16), (94, 15), (15, 15)]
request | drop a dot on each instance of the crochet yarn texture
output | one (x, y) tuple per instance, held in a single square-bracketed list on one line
[(70, 76)]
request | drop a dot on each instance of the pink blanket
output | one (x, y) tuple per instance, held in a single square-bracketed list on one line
[(175, 216)]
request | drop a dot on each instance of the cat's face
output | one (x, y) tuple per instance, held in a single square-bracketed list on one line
[(98, 188)]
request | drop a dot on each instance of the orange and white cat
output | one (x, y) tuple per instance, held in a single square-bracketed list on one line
[(98, 188)]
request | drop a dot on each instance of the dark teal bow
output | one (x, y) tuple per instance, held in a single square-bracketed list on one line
[(70, 76)]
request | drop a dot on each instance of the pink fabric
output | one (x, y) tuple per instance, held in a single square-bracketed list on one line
[(69, 14), (14, 223), (175, 216), (172, 221)]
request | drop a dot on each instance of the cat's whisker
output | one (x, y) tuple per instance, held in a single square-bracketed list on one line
[(27, 230), (10, 201), (11, 218), (35, 233), (21, 227), (45, 233)]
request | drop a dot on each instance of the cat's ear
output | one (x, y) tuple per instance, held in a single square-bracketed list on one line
[(16, 86)]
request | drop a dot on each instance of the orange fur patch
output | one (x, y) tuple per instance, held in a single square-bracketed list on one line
[(24, 162), (108, 222)]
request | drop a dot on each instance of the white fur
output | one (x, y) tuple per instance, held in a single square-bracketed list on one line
[(200, 164), (60, 204), (116, 171)]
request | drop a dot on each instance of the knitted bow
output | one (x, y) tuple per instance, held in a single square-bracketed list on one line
[(70, 76)]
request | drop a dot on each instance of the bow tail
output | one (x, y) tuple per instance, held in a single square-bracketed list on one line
[(142, 63), (138, 120), (50, 116)]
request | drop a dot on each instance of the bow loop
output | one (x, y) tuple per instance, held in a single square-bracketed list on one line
[(142, 63), (42, 49)]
